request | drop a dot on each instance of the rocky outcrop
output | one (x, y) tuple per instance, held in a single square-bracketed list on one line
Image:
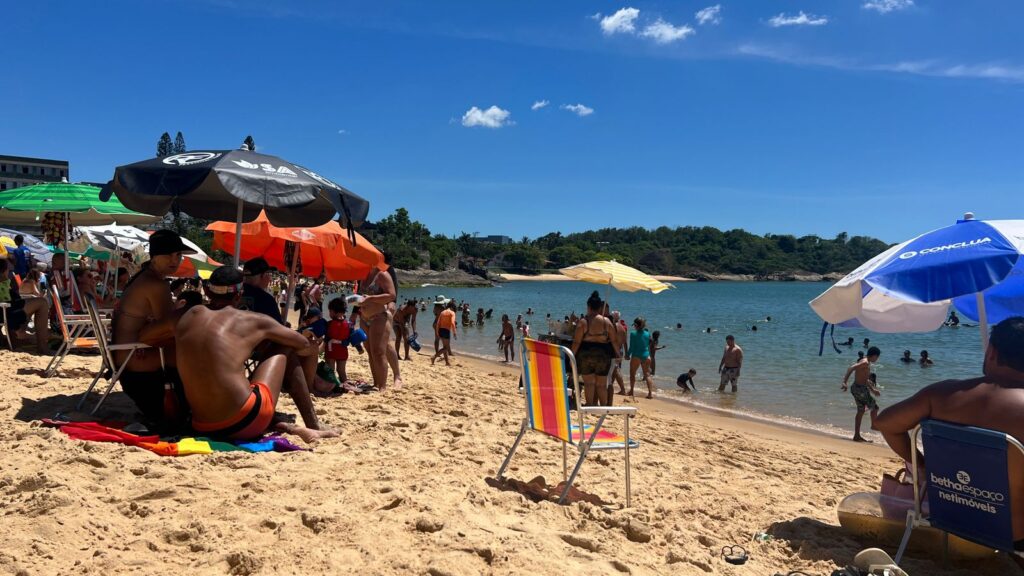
[(416, 278)]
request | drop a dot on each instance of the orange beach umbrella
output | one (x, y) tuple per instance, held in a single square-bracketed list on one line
[(324, 249)]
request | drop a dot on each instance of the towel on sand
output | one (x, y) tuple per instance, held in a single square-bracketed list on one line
[(112, 432)]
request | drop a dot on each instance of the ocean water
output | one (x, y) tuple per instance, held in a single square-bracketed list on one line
[(783, 379)]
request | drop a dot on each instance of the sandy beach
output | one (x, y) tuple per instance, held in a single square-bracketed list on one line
[(408, 489)]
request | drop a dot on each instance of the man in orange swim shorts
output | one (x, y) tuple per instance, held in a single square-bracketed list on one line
[(213, 343)]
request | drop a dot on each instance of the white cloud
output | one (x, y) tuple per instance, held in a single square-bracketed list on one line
[(578, 109), (664, 33), (493, 117), (342, 131), (709, 15), (623, 21), (539, 104), (886, 6), (800, 19), (998, 71)]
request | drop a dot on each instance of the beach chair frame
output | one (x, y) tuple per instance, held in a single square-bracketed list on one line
[(74, 329), (107, 353), (915, 516), (7, 327), (564, 432)]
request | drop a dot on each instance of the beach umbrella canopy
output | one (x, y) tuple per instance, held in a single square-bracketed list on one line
[(616, 275), (235, 185), (326, 249), (36, 246), (197, 264), (911, 286), (24, 205)]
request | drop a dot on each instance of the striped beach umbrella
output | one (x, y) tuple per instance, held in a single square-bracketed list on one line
[(973, 265), (616, 275)]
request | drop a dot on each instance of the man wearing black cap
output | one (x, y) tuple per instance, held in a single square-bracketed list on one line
[(214, 343), (255, 297), (146, 314)]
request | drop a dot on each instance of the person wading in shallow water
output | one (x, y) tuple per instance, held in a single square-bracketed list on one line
[(732, 362)]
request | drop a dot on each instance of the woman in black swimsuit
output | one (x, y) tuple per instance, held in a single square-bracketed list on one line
[(594, 348)]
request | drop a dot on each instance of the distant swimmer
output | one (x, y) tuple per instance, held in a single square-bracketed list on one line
[(766, 319), (860, 355), (687, 379), (849, 342), (529, 311), (907, 358), (679, 326), (862, 389), (867, 343), (753, 328), (925, 360), (953, 320), (709, 330)]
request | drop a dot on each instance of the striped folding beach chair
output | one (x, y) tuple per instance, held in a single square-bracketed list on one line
[(969, 490), (545, 370), (74, 329)]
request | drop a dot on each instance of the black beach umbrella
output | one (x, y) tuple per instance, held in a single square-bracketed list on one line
[(235, 185)]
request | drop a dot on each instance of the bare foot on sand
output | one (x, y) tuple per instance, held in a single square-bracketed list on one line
[(861, 439), (307, 434), (398, 383)]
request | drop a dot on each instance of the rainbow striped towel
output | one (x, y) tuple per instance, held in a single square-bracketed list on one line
[(113, 432)]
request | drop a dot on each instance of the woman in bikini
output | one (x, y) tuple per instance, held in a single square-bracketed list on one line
[(375, 317), (594, 348)]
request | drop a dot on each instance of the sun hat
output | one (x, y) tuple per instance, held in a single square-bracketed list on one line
[(440, 300)]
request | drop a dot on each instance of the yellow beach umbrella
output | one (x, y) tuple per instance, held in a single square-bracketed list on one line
[(618, 276)]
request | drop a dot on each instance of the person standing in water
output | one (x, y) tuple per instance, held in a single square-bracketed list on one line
[(732, 362), (862, 389), (655, 337), (639, 355)]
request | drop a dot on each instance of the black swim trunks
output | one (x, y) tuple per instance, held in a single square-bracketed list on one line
[(146, 389)]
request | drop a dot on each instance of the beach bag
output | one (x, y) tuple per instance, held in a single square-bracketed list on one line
[(897, 486), (897, 494)]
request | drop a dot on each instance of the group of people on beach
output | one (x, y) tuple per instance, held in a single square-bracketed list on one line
[(215, 361)]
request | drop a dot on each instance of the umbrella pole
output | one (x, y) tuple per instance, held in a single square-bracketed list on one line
[(291, 284), (982, 321), (67, 249), (238, 232)]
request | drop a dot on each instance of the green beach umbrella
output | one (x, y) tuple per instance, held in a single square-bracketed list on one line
[(26, 205)]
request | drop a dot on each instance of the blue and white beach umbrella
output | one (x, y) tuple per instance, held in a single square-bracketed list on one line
[(973, 265)]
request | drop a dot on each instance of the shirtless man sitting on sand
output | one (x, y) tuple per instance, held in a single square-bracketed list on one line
[(213, 344), (994, 401)]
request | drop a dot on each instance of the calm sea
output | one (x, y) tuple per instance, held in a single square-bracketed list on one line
[(784, 379)]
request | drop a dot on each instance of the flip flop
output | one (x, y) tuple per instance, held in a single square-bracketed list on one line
[(735, 554)]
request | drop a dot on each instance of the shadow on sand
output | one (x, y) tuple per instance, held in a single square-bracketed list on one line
[(538, 490), (118, 406)]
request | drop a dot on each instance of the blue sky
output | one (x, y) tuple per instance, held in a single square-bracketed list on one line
[(875, 117)]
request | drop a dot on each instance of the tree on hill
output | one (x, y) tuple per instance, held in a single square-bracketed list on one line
[(179, 143), (164, 146)]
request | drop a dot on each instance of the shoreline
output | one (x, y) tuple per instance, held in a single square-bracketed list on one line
[(683, 411)]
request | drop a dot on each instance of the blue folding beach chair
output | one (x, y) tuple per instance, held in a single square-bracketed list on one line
[(968, 484)]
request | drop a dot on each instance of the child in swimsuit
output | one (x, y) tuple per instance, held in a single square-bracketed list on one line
[(338, 333)]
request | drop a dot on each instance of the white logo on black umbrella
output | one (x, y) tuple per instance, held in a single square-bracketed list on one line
[(190, 158)]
